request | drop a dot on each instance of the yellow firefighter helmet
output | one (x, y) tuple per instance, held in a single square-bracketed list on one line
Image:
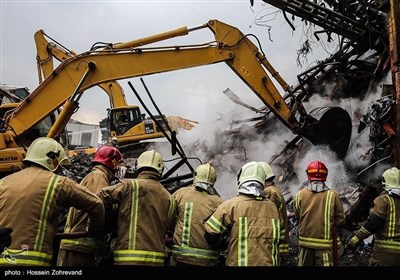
[(150, 159), (205, 173)]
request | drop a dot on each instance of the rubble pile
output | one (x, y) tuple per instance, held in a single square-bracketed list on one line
[(347, 257), (80, 166)]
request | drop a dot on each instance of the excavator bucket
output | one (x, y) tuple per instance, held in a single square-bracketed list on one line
[(329, 126)]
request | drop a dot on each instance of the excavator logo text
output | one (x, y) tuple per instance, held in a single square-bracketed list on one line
[(10, 158)]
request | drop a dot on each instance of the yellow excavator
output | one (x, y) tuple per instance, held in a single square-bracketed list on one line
[(123, 120), (66, 84)]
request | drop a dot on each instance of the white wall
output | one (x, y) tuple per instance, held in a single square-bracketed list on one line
[(83, 134)]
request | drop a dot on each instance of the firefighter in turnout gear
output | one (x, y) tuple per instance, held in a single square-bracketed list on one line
[(146, 211), (318, 210), (252, 222), (275, 195), (195, 205), (384, 223), (84, 251), (33, 198)]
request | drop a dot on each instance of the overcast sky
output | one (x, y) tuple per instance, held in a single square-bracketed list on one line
[(194, 93)]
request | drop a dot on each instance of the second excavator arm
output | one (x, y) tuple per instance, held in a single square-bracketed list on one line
[(135, 129), (47, 50)]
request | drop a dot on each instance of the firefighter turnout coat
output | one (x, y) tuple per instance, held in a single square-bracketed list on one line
[(275, 195), (30, 204), (384, 223), (97, 179), (317, 213), (146, 211), (254, 225), (195, 206)]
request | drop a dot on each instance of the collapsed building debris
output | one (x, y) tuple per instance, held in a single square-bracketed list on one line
[(366, 52)]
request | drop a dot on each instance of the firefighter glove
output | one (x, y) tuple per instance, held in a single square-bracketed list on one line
[(354, 241)]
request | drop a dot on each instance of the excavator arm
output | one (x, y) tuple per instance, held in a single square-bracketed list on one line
[(47, 50), (65, 85), (76, 74)]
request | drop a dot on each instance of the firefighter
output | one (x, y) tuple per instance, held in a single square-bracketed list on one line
[(84, 251), (251, 222), (275, 195), (32, 199), (384, 223), (195, 204), (145, 213), (319, 211)]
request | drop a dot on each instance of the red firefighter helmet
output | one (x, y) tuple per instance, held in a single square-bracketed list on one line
[(316, 171), (108, 156)]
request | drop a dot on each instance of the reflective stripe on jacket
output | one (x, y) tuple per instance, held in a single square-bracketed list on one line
[(275, 195), (194, 207), (317, 212), (25, 257), (254, 226), (145, 213), (31, 200), (387, 238), (77, 220)]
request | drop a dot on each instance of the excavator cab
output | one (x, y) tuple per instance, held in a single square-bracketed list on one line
[(121, 119), (129, 125)]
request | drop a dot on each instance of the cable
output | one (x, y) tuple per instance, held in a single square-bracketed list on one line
[(59, 44), (249, 35), (15, 133), (102, 45), (173, 159)]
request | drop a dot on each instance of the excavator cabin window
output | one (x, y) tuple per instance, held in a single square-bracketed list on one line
[(123, 119), (40, 130)]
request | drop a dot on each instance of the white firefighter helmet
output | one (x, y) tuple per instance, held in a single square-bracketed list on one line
[(48, 153), (269, 174), (251, 171), (391, 178)]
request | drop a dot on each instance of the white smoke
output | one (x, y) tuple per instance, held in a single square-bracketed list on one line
[(337, 179), (207, 143)]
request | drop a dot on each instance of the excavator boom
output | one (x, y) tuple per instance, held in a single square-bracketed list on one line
[(81, 72), (106, 65), (47, 50)]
